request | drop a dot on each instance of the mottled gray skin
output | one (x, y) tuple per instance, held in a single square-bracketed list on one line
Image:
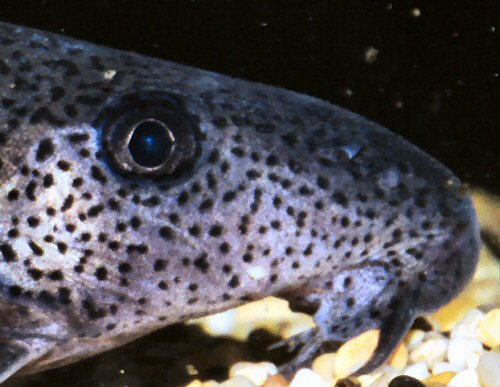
[(279, 194)]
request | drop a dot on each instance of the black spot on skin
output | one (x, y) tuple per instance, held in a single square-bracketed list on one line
[(55, 275), (183, 198), (214, 157), (272, 160), (340, 198), (238, 152), (220, 122), (224, 247), (216, 230), (13, 233), (135, 222), (322, 182), (166, 233), (77, 138), (137, 248), (70, 110), (45, 150), (229, 196), (206, 205), (194, 230), (62, 247), (33, 221), (77, 182), (95, 211), (276, 224), (36, 274), (234, 282), (37, 250), (124, 267), (92, 312), (98, 175), (159, 265), (9, 254), (202, 263), (68, 202), (64, 165), (13, 195), (57, 93), (101, 273), (44, 114), (30, 190), (48, 180)]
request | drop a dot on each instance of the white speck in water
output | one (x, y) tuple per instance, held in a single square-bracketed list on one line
[(371, 54), (348, 92), (109, 74), (389, 6), (398, 104), (351, 150), (415, 12), (263, 24), (492, 29)]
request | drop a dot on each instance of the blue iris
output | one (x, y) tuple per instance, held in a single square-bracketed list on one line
[(151, 144)]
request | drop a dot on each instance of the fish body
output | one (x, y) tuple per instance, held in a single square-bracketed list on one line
[(136, 193)]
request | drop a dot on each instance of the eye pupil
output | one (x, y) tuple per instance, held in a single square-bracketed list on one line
[(151, 143)]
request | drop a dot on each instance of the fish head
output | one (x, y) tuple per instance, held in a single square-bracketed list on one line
[(138, 192)]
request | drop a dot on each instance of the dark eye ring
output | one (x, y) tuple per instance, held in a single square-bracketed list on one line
[(149, 133)]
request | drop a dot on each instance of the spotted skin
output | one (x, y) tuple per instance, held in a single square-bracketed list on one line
[(272, 193)]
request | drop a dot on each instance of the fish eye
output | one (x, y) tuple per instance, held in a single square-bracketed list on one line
[(149, 134), (151, 143)]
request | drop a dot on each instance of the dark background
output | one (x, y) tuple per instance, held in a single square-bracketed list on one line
[(435, 79)]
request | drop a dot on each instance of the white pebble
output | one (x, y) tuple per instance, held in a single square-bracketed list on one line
[(238, 381), (443, 366), (256, 372), (466, 378), (430, 351), (488, 369), (382, 381), (472, 359), (418, 370), (307, 378), (460, 348), (414, 338), (488, 330), (221, 323), (467, 327)]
